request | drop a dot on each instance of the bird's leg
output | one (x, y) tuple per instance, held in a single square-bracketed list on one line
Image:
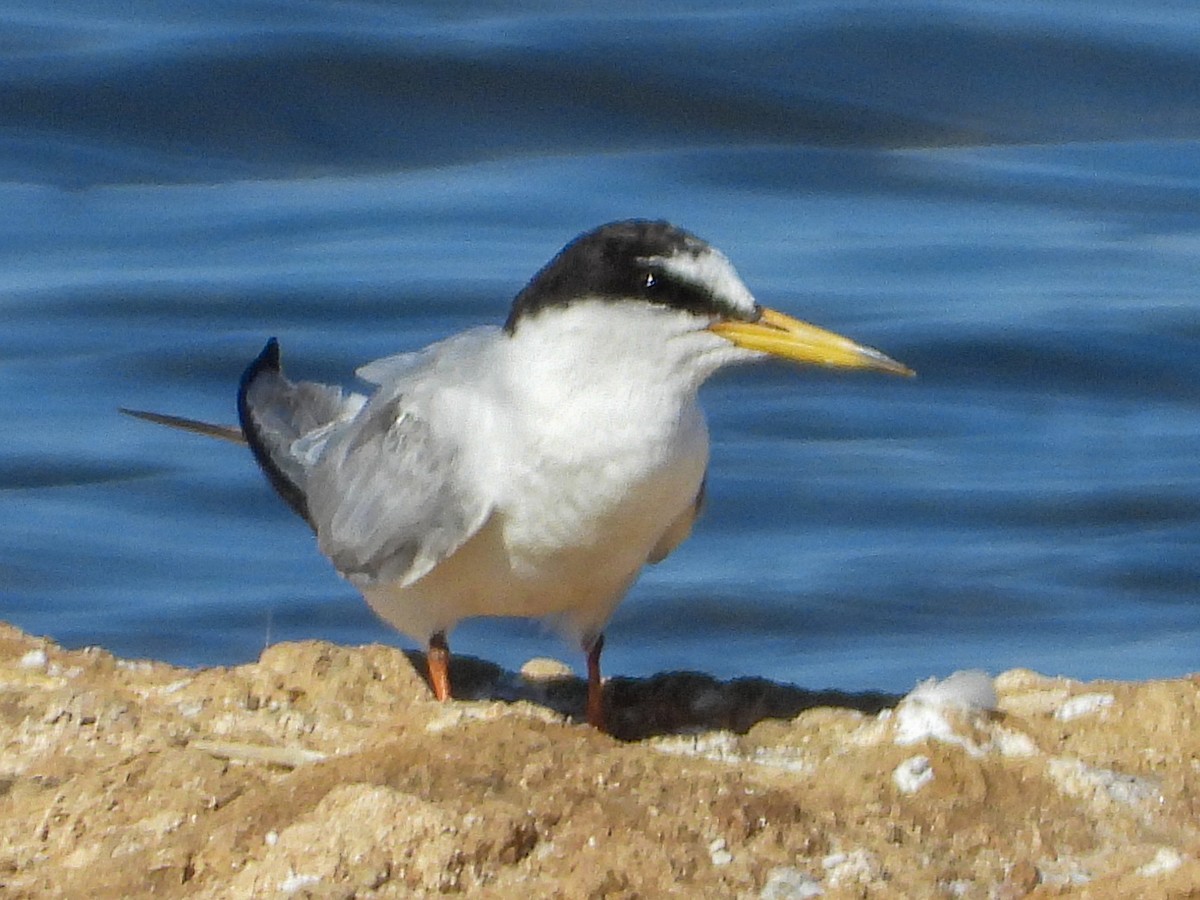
[(595, 691), (437, 657)]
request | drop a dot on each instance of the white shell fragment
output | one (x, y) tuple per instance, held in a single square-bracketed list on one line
[(913, 774), (1083, 705)]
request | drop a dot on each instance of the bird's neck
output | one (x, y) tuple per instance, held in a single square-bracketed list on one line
[(605, 380), (613, 359)]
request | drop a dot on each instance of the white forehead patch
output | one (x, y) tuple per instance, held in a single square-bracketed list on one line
[(712, 271)]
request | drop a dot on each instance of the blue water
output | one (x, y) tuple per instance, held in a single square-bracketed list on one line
[(1004, 196)]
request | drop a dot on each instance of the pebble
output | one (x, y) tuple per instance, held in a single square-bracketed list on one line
[(1083, 705), (718, 854), (913, 774), (1165, 860), (542, 668), (788, 883), (34, 659)]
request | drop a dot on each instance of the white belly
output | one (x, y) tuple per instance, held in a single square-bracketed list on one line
[(565, 544)]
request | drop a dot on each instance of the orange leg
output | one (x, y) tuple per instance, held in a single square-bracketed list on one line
[(595, 690), (438, 658)]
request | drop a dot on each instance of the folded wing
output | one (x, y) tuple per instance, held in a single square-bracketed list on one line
[(287, 423), (383, 481)]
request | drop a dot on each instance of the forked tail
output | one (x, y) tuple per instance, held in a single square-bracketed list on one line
[(231, 433), (284, 423)]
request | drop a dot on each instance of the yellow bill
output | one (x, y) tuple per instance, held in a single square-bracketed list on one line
[(781, 335)]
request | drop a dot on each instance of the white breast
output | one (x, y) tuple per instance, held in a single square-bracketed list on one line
[(595, 447)]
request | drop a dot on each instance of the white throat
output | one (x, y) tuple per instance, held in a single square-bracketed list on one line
[(617, 353)]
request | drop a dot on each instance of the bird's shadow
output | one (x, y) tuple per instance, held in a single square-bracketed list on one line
[(662, 704)]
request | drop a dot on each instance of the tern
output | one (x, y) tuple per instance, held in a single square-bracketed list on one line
[(531, 469)]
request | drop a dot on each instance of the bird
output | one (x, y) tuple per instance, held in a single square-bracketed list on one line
[(530, 469)]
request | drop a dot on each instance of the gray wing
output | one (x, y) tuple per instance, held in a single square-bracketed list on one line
[(287, 423), (389, 500), (393, 495), (449, 358)]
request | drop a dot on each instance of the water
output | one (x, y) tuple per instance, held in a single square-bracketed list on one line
[(1004, 196)]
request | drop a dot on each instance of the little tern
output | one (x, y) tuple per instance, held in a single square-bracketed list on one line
[(532, 469)]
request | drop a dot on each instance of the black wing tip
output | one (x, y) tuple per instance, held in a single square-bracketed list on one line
[(267, 362)]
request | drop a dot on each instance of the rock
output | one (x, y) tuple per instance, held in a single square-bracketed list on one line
[(327, 771)]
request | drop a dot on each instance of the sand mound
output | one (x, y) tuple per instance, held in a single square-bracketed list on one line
[(327, 771)]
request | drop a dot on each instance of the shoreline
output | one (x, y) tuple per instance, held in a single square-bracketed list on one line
[(323, 770)]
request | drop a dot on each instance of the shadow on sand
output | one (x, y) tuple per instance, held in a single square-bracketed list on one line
[(666, 703)]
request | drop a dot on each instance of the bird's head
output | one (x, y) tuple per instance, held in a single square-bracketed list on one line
[(659, 264)]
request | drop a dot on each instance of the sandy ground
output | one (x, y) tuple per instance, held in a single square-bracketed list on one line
[(327, 771)]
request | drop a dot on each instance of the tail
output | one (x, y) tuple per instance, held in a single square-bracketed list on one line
[(230, 433), (284, 424)]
